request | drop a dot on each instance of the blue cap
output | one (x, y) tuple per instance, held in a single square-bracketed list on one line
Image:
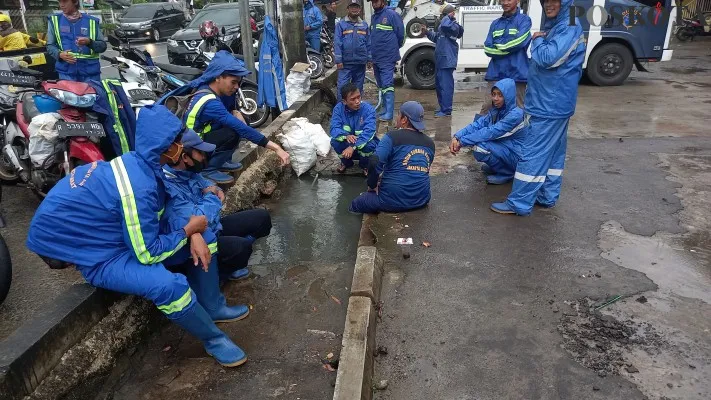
[(191, 140), (415, 114)]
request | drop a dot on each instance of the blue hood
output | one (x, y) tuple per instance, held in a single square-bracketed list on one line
[(563, 15), (508, 88), (309, 4), (156, 129), (224, 62)]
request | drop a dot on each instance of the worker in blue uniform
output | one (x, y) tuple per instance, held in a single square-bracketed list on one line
[(103, 218), (557, 55), (232, 235), (399, 171), (387, 36), (446, 54), (208, 115), (353, 129), (497, 138), (313, 21), (352, 47), (75, 41), (507, 44)]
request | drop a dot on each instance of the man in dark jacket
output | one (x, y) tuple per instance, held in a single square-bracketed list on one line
[(330, 12), (352, 46), (446, 54)]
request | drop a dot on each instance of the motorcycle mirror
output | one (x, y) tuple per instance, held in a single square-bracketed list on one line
[(223, 30), (114, 41)]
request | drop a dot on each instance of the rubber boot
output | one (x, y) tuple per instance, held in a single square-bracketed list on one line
[(389, 100), (223, 160), (242, 272), (197, 322), (206, 286)]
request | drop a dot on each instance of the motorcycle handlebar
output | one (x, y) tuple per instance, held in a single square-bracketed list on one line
[(112, 60)]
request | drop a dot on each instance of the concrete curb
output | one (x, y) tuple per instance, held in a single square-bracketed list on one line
[(33, 351), (355, 367)]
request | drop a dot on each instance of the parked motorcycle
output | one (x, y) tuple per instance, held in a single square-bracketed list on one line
[(76, 136), (691, 28), (327, 49), (316, 63)]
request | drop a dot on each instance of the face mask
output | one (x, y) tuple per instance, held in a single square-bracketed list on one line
[(172, 155), (197, 166)]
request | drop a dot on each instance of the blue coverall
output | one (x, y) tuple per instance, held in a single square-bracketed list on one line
[(403, 157), (313, 19), (556, 68), (387, 36), (360, 123), (446, 53), (352, 48), (61, 36), (497, 137)]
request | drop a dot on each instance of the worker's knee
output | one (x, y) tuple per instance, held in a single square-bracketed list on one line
[(171, 294)]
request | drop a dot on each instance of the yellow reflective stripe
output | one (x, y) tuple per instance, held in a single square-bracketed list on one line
[(513, 31), (92, 34), (358, 132), (347, 128), (362, 154), (114, 109), (160, 213), (495, 51), (387, 89), (368, 141), (348, 31), (55, 23), (212, 247), (130, 214), (383, 27), (514, 42), (178, 305), (192, 116), (362, 32), (340, 138), (498, 33)]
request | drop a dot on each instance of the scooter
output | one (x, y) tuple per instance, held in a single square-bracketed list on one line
[(329, 57), (77, 141)]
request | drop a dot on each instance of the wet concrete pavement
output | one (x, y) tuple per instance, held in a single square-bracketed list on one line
[(498, 306), (298, 293)]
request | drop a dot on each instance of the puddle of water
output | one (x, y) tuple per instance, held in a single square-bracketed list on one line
[(311, 222), (672, 269)]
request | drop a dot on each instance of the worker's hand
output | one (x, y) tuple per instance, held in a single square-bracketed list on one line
[(351, 139), (285, 159), (348, 153), (83, 41), (67, 57), (454, 146), (307, 28), (216, 191), (200, 251), (538, 34), (339, 66), (197, 224)]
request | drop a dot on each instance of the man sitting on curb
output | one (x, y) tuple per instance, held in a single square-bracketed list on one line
[(497, 137), (403, 158), (209, 117), (353, 129), (191, 194)]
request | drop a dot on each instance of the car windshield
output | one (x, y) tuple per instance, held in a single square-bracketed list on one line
[(221, 16), (140, 11)]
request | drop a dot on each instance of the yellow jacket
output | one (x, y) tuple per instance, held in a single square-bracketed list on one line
[(13, 41)]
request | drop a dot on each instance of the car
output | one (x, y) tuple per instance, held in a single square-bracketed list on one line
[(151, 21), (183, 45)]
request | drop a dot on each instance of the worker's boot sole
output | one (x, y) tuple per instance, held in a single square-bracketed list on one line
[(241, 317)]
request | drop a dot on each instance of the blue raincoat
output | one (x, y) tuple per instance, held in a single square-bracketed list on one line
[(117, 115), (387, 35), (104, 218), (446, 54), (556, 68), (352, 49), (507, 45), (497, 138), (314, 20), (271, 70), (360, 123)]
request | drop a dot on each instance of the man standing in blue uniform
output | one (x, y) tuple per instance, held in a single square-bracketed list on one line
[(208, 115), (387, 36), (446, 54), (507, 45), (313, 20), (104, 219), (497, 137), (402, 162), (353, 129), (352, 47), (557, 55), (74, 40)]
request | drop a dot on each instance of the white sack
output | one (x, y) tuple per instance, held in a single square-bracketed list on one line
[(43, 137)]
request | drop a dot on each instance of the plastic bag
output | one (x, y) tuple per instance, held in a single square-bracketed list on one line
[(297, 142), (297, 85), (43, 138), (321, 141)]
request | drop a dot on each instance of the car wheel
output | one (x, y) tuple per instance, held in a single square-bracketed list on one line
[(420, 69), (156, 34), (416, 28), (610, 65)]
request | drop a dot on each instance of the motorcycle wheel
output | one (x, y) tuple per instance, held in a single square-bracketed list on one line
[(261, 116), (7, 171), (328, 59), (684, 34), (41, 194), (5, 270), (316, 63)]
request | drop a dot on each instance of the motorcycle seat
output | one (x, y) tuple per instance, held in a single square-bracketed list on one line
[(179, 69)]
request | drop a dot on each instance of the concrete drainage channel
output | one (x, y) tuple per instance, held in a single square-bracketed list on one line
[(67, 350)]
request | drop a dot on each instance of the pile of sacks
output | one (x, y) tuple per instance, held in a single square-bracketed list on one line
[(304, 142)]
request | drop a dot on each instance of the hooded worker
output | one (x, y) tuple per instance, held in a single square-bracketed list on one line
[(313, 20), (557, 55), (211, 114), (103, 218), (497, 137), (10, 38), (74, 40), (446, 54), (387, 35)]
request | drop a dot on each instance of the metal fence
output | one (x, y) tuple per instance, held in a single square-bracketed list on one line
[(692, 8), (34, 22)]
